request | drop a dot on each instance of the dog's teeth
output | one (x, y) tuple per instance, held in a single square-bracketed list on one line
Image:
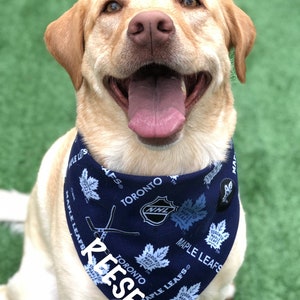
[(183, 86)]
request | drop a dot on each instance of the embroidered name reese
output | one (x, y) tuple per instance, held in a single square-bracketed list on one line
[(126, 288)]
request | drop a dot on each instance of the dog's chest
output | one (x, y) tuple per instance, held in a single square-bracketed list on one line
[(139, 237)]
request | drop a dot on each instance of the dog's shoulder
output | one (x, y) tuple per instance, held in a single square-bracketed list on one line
[(54, 164)]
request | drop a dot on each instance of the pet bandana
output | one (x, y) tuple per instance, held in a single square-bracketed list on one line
[(160, 237)]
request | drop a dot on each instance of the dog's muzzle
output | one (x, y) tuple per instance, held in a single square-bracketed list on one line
[(156, 98)]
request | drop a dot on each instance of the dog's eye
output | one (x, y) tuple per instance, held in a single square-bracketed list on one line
[(190, 3), (112, 7)]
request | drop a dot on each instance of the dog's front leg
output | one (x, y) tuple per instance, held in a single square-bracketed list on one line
[(35, 278)]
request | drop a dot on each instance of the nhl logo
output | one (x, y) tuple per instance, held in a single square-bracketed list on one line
[(156, 212)]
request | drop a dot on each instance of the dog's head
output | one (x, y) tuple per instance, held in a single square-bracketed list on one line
[(154, 60)]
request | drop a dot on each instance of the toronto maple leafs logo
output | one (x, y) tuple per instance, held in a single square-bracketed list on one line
[(96, 276), (151, 259), (189, 213), (186, 293), (88, 186), (217, 235)]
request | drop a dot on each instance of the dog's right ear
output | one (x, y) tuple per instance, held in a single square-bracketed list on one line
[(64, 39)]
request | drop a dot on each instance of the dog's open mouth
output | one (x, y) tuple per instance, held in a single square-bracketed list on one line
[(158, 99)]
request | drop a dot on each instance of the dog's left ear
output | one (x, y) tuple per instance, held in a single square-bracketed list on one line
[(65, 41), (242, 36)]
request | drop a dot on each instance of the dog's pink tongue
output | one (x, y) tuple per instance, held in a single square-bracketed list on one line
[(156, 106)]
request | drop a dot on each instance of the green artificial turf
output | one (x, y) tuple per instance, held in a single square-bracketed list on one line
[(37, 105)]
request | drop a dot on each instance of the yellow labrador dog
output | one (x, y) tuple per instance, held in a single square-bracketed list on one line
[(140, 200)]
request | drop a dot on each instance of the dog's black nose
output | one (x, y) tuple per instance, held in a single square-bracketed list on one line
[(150, 29)]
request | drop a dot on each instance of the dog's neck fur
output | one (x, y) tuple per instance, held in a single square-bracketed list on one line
[(203, 140)]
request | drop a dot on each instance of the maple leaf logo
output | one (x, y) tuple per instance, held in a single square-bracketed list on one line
[(95, 276), (217, 235), (190, 213), (88, 186), (151, 260), (186, 293)]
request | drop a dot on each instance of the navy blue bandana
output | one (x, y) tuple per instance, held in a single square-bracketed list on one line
[(140, 237)]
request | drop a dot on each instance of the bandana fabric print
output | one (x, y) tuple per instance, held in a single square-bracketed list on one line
[(162, 237)]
